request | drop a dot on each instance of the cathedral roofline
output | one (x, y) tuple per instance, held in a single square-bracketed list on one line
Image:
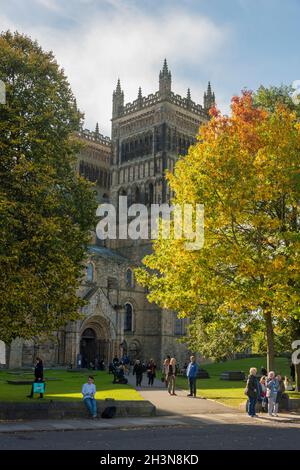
[(107, 253), (95, 137), (156, 98)]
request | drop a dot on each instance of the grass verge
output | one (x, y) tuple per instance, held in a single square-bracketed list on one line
[(67, 387), (231, 393)]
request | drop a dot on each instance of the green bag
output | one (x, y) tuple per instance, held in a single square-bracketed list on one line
[(38, 387)]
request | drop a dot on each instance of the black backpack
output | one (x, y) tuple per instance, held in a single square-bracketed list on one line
[(109, 412)]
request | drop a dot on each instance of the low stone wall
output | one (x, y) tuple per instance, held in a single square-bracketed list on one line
[(72, 410)]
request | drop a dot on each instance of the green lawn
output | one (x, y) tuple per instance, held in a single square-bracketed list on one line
[(68, 387), (232, 393)]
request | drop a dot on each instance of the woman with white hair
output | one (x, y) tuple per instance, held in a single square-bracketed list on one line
[(252, 391), (272, 391)]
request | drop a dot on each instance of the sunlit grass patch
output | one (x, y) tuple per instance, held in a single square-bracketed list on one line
[(67, 387)]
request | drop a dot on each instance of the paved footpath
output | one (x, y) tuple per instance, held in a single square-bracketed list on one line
[(205, 410), (180, 404)]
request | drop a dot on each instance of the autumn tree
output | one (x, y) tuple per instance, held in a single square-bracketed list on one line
[(245, 170), (269, 99), (46, 209)]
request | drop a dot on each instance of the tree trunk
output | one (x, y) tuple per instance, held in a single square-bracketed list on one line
[(270, 341), (297, 377)]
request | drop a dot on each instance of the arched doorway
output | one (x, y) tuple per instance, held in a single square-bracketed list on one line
[(96, 342), (88, 347)]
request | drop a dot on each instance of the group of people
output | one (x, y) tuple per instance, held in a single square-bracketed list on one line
[(140, 368), (269, 390), (170, 371)]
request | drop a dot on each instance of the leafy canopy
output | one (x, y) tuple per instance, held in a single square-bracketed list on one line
[(46, 209)]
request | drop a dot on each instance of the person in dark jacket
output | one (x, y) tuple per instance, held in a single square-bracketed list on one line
[(293, 371), (263, 371), (151, 372), (252, 391), (38, 375), (138, 372)]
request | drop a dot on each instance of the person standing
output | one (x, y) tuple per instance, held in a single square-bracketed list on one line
[(138, 370), (263, 393), (191, 373), (89, 393), (288, 385), (272, 391), (263, 371), (151, 372), (293, 371), (38, 376), (171, 380), (252, 391), (166, 369)]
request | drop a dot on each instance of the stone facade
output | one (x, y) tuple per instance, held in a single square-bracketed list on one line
[(147, 137)]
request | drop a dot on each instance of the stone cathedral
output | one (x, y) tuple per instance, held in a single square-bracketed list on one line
[(146, 138)]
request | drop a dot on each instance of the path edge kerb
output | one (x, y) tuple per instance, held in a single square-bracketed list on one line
[(69, 410)]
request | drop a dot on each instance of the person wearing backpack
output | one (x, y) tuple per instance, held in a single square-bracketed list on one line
[(252, 391), (151, 372)]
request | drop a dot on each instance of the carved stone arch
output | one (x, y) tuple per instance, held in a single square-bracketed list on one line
[(149, 192), (122, 191), (96, 340)]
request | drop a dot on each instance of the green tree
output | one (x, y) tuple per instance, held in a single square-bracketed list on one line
[(46, 209), (270, 98)]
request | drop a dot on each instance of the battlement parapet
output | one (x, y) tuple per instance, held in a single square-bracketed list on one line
[(95, 137), (155, 98)]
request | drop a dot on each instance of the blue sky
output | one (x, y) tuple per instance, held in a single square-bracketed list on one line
[(232, 43)]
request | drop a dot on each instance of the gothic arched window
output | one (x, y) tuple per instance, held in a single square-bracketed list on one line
[(90, 272), (179, 326), (151, 194), (128, 321), (129, 278), (137, 195)]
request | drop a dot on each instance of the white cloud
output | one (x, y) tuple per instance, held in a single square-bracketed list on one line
[(49, 5), (127, 43)]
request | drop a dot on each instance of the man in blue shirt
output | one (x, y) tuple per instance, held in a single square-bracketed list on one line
[(89, 392), (191, 374)]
